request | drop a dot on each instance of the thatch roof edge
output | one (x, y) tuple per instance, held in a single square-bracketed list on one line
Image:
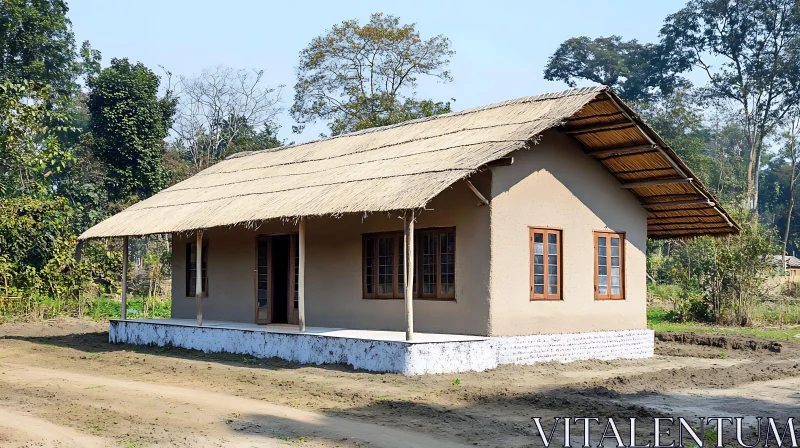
[(672, 154), (520, 100)]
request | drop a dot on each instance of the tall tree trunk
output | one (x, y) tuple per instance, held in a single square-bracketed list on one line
[(788, 223), (756, 177), (751, 169), (792, 179)]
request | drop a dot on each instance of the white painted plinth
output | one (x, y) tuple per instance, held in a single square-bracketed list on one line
[(434, 354)]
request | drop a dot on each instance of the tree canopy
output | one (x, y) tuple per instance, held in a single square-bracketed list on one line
[(37, 45), (220, 110), (129, 124), (363, 76), (636, 71), (750, 52)]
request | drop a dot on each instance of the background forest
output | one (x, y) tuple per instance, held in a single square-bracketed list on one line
[(82, 138)]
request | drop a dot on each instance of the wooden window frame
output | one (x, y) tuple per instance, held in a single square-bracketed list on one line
[(268, 266), (191, 293), (559, 234), (294, 275), (398, 246), (439, 295), (609, 234)]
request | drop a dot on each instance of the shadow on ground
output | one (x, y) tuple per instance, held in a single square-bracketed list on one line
[(481, 411), (97, 342)]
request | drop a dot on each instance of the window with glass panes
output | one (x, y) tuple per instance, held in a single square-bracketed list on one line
[(609, 262), (434, 267), (545, 248)]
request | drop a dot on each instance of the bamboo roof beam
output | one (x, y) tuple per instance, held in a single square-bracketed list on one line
[(689, 202), (653, 214), (673, 196), (643, 170), (625, 154), (590, 117), (681, 226), (481, 198), (690, 229), (663, 221), (620, 150), (655, 182), (649, 139), (614, 125)]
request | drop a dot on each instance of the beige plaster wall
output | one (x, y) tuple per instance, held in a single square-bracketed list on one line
[(555, 184), (333, 269), (231, 264)]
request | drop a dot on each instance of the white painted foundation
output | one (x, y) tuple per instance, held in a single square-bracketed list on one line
[(383, 351)]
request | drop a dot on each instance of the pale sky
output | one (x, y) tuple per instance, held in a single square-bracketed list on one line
[(501, 46)]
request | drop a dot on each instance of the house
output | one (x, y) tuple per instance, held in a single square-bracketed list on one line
[(786, 279), (791, 266), (529, 220)]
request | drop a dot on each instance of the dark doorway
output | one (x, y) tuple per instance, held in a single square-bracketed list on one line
[(280, 279)]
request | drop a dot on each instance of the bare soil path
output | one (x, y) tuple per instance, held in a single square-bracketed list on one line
[(182, 408), (20, 430), (62, 384)]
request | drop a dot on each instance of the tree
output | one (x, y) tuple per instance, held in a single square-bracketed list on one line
[(636, 71), (129, 124), (29, 151), (749, 51), (791, 153), (407, 110), (252, 139), (721, 278), (220, 106), (679, 121), (778, 185), (37, 44), (360, 76)]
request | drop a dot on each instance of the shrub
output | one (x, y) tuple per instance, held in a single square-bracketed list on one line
[(720, 279)]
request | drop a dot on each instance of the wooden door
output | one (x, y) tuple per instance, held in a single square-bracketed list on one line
[(293, 316), (265, 278)]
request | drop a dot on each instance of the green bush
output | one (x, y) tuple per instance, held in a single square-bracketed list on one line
[(719, 279)]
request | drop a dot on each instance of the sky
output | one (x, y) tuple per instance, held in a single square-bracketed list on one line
[(501, 47)]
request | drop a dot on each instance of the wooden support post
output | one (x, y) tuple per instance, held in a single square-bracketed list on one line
[(301, 275), (124, 313), (408, 231), (198, 283)]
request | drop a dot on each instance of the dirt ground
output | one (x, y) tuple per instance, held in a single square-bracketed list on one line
[(62, 384)]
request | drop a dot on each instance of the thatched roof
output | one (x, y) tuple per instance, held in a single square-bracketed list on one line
[(406, 165), (792, 262)]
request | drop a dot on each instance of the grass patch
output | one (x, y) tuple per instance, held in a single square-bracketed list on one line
[(103, 307), (111, 308), (660, 319)]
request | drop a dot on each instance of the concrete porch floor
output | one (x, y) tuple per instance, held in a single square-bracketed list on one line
[(368, 335)]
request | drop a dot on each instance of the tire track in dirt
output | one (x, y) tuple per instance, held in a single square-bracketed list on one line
[(776, 398), (26, 430), (212, 414)]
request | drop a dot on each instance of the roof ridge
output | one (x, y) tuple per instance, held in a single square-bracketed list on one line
[(520, 100)]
